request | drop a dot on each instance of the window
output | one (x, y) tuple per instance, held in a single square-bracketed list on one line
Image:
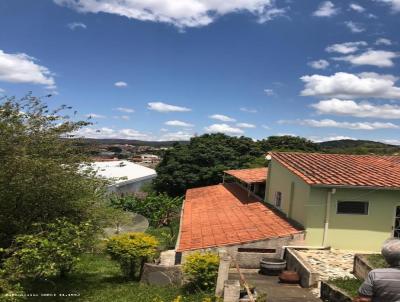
[(256, 250), (352, 207), (278, 199)]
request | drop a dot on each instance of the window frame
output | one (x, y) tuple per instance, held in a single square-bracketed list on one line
[(365, 202), (276, 199)]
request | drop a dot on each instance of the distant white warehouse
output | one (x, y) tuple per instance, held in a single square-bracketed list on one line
[(127, 177)]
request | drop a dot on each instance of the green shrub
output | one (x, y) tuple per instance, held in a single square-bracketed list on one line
[(51, 251), (347, 284), (377, 261), (159, 209), (201, 270), (132, 250), (9, 291)]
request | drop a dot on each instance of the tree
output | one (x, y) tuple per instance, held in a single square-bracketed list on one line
[(202, 162), (288, 143), (41, 175)]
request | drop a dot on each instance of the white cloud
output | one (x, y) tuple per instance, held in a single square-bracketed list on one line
[(354, 27), (395, 4), (223, 128), (391, 141), (120, 84), (21, 68), (176, 136), (269, 92), (326, 9), (222, 118), (245, 125), (361, 109), (319, 64), (379, 58), (346, 48), (344, 85), (266, 127), (75, 25), (105, 132), (357, 7), (177, 123), (2, 90), (383, 41), (319, 139), (163, 107), (188, 13), (328, 123), (125, 109), (95, 115), (249, 110), (125, 117)]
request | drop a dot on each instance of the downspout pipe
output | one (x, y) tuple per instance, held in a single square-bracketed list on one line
[(327, 215)]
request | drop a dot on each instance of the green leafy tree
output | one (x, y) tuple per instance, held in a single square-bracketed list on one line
[(132, 250), (202, 162), (41, 175), (159, 209), (288, 143), (201, 270), (52, 250)]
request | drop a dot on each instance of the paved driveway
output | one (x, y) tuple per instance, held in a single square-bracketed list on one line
[(276, 292)]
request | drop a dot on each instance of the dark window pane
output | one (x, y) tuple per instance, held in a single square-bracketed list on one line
[(352, 207), (398, 212)]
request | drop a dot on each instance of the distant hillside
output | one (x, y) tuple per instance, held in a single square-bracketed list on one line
[(117, 141), (349, 146)]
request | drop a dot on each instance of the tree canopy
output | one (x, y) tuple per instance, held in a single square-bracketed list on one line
[(203, 160), (41, 175)]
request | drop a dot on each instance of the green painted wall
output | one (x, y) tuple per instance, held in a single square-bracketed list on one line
[(354, 232), (280, 180)]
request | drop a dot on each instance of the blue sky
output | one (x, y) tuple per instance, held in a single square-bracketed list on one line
[(167, 69)]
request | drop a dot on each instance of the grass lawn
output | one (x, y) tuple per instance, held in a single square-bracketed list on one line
[(99, 279)]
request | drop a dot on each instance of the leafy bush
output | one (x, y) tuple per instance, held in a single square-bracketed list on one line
[(201, 270), (53, 250), (347, 284), (9, 291), (132, 250), (377, 261), (160, 209)]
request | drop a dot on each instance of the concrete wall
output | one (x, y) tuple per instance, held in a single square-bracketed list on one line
[(308, 277), (252, 259), (331, 293), (130, 187), (295, 192), (350, 231), (361, 267)]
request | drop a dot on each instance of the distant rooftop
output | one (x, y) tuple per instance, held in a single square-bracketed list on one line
[(256, 175), (343, 170), (224, 214), (122, 168)]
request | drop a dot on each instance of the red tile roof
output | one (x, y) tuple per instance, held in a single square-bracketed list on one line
[(343, 170), (225, 215), (256, 175)]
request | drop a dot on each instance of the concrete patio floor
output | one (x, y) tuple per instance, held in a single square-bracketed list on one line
[(276, 291)]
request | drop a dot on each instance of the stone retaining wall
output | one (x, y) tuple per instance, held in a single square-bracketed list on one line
[(308, 277), (154, 274), (361, 266), (331, 293)]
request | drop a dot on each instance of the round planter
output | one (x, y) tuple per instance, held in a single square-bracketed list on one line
[(272, 266)]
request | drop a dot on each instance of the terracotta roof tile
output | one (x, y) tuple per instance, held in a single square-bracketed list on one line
[(342, 169), (228, 216), (256, 175)]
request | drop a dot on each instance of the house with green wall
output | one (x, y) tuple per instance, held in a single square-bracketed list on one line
[(342, 201)]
